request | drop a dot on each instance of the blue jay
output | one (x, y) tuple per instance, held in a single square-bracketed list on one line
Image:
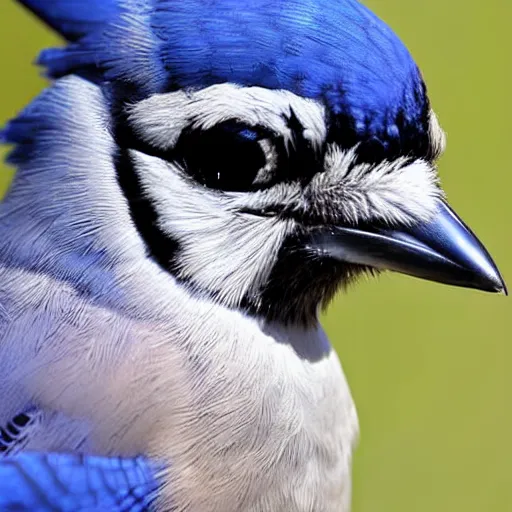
[(198, 180)]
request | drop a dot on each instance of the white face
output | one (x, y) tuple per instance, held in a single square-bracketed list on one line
[(236, 177)]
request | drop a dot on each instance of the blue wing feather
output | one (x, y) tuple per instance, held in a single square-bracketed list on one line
[(48, 482)]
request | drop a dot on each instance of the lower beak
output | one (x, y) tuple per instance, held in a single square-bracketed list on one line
[(443, 250)]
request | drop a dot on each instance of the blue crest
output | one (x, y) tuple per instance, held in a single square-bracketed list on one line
[(333, 50)]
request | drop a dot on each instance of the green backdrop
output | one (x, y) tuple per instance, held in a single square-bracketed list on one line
[(429, 365)]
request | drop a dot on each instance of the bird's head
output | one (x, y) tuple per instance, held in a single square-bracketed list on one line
[(271, 152)]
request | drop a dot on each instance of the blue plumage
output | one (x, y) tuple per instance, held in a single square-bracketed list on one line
[(73, 19), (338, 51), (49, 482)]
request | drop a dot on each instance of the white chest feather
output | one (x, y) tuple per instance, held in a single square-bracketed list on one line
[(276, 431), (249, 419)]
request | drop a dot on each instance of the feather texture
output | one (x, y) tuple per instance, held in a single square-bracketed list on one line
[(70, 483), (338, 52), (73, 19)]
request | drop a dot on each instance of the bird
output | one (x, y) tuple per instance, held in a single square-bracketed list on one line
[(198, 180)]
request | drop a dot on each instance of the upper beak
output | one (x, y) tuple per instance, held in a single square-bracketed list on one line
[(443, 250)]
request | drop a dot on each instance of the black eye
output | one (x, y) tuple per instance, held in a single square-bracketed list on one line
[(228, 157)]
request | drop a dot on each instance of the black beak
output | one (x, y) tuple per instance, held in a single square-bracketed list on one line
[(443, 250)]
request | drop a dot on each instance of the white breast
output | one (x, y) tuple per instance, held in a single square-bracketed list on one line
[(250, 418), (276, 431)]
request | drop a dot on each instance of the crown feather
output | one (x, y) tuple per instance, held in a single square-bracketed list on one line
[(337, 52)]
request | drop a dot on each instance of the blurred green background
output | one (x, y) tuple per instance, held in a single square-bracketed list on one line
[(429, 365)]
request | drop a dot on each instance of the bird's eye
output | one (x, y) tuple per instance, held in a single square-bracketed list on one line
[(229, 156)]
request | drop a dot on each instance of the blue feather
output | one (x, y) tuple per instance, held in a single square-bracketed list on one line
[(73, 18), (47, 482), (336, 51)]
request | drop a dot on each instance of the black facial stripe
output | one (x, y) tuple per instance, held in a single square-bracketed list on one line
[(160, 246), (303, 160)]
